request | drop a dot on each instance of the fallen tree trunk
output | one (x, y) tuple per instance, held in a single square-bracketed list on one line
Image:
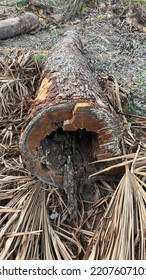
[(70, 123), (20, 25), (12, 3)]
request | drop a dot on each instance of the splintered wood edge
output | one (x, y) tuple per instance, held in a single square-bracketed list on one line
[(69, 116)]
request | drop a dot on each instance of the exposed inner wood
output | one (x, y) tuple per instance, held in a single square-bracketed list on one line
[(69, 154), (79, 146), (70, 118)]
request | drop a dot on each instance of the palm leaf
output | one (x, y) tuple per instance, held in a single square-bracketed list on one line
[(122, 230)]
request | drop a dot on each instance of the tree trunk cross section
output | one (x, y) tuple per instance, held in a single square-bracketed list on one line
[(70, 123)]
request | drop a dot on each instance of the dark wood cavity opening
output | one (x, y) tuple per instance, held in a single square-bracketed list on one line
[(80, 146)]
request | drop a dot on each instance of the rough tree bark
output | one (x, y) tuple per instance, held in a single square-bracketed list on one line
[(73, 8), (19, 25), (12, 3), (70, 120)]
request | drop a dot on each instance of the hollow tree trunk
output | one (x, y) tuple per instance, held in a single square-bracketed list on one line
[(70, 123), (19, 25)]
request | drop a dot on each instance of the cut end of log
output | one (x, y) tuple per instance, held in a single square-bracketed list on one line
[(83, 131)]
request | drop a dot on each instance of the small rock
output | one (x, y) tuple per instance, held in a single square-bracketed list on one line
[(2, 54), (54, 215)]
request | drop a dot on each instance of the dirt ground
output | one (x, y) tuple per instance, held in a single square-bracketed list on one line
[(111, 46)]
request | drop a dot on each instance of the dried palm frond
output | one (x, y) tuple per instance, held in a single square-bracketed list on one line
[(122, 230), (18, 81), (18, 76), (25, 225), (116, 95)]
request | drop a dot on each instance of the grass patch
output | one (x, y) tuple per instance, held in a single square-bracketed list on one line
[(132, 107), (21, 4), (39, 58)]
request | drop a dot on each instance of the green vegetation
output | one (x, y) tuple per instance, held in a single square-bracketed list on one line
[(18, 5), (132, 107), (39, 58), (6, 1), (84, 8), (21, 4)]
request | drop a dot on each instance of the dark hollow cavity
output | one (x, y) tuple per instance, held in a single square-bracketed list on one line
[(80, 145)]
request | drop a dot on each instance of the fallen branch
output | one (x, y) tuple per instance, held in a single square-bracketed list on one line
[(10, 4), (19, 25)]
